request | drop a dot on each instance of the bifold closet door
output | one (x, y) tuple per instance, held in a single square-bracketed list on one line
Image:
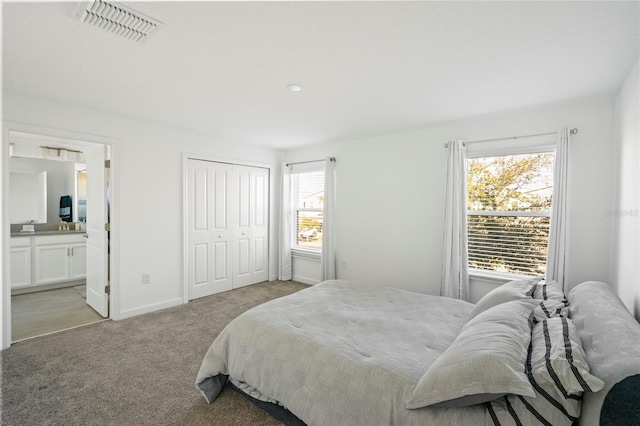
[(227, 222), (251, 244), (209, 245)]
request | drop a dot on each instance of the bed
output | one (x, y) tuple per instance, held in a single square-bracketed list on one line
[(344, 352)]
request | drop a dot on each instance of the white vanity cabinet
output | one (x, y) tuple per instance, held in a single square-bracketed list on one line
[(59, 258), (20, 262)]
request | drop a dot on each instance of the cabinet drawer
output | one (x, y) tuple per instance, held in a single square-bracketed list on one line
[(59, 239), (20, 242)]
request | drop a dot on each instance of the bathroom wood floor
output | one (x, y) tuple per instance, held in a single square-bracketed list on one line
[(43, 312)]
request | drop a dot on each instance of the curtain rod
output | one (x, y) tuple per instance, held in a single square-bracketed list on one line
[(310, 161), (573, 132)]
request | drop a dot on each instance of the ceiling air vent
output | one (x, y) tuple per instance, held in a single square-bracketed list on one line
[(118, 19)]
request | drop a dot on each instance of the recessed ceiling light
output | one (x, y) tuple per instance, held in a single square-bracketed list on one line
[(294, 87)]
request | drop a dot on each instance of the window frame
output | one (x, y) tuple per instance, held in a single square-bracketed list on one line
[(296, 250), (498, 148)]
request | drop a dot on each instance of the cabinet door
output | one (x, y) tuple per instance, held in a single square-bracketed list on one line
[(52, 264), (77, 261), (20, 267)]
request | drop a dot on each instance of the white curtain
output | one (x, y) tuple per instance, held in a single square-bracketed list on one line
[(284, 270), (455, 268), (328, 260), (556, 255)]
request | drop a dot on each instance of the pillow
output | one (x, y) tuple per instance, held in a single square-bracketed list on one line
[(485, 361), (549, 290), (548, 309), (561, 358), (559, 373), (513, 290)]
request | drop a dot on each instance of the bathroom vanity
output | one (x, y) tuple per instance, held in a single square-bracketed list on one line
[(47, 259)]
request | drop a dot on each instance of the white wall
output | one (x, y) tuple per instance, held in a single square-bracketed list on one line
[(148, 185), (390, 194), (625, 217)]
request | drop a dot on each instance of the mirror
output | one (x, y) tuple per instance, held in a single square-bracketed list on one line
[(28, 196), (36, 186)]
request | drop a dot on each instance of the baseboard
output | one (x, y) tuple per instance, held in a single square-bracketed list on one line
[(148, 309), (305, 280)]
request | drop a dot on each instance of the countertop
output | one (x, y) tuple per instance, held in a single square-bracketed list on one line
[(41, 233)]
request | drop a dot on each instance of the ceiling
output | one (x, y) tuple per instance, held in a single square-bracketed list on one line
[(365, 67)]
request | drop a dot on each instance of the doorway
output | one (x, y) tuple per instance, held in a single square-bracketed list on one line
[(58, 267)]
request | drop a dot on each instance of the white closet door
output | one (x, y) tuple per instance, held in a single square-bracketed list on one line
[(251, 243), (209, 257), (260, 225), (242, 262), (227, 223)]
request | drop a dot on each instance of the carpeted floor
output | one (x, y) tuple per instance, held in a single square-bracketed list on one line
[(138, 371)]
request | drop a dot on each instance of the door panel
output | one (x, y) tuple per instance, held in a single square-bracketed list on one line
[(221, 251), (52, 264), (200, 206), (208, 261), (78, 261), (97, 242), (244, 199), (259, 255), (220, 203), (261, 193), (260, 225), (201, 264)]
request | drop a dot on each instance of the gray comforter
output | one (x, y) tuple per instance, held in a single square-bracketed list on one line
[(340, 353)]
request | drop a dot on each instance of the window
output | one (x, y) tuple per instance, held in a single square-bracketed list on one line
[(509, 209), (307, 191)]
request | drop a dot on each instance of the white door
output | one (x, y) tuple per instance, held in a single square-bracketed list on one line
[(209, 236), (96, 252), (242, 219), (252, 241), (227, 226)]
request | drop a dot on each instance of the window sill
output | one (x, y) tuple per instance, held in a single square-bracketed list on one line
[(306, 254), (496, 277)]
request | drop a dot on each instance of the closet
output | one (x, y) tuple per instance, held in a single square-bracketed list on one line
[(227, 226)]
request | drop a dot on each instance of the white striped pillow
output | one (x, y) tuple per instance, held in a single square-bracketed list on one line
[(548, 309), (549, 291), (559, 373)]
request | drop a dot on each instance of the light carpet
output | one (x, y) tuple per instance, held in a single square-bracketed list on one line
[(138, 371)]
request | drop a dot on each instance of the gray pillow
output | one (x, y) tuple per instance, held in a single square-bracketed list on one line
[(513, 290), (487, 358)]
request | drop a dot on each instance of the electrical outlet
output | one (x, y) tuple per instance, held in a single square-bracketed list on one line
[(146, 278)]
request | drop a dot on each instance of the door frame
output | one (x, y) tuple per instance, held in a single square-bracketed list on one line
[(191, 156), (5, 233)]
